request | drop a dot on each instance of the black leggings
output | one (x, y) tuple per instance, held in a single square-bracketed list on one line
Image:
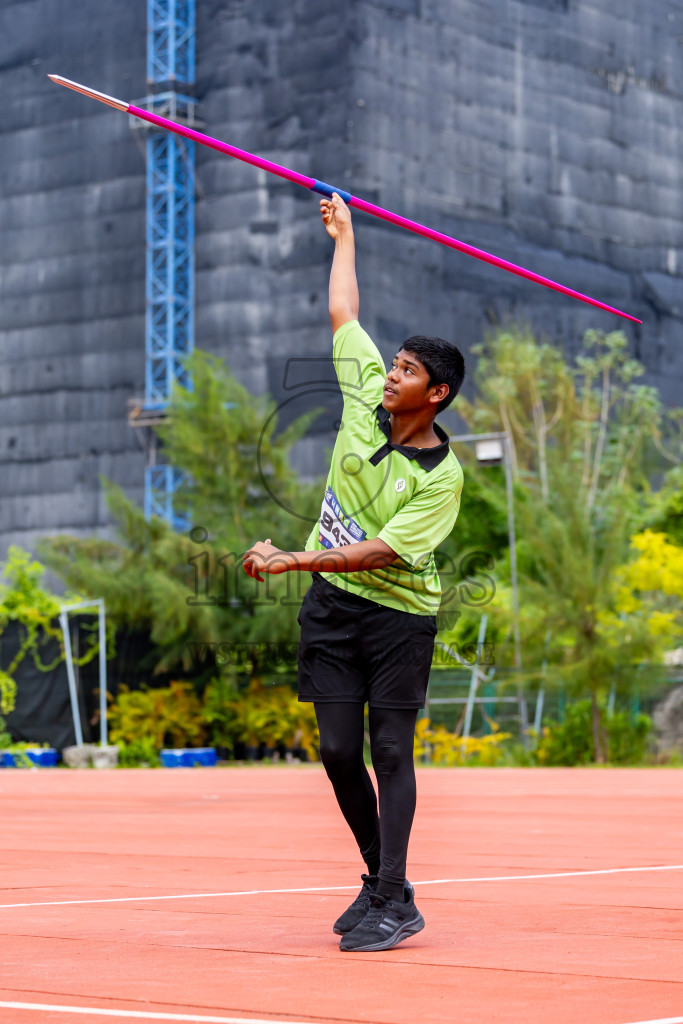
[(382, 839)]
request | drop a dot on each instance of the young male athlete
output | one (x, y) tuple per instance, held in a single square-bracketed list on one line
[(368, 621)]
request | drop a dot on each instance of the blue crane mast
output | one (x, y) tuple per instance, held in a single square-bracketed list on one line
[(169, 314)]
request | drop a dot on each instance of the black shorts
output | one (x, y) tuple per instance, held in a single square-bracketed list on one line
[(355, 650)]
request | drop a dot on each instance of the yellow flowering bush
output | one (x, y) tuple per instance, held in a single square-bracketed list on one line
[(450, 750)]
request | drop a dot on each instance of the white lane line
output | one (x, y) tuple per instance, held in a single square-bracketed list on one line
[(199, 1019), (556, 874), (337, 888), (661, 1020), (142, 1015)]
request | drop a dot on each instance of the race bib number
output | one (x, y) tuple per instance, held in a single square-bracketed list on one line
[(337, 530)]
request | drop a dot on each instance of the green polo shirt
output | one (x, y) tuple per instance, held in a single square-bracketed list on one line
[(408, 497)]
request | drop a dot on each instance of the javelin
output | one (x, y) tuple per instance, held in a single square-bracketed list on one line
[(324, 189)]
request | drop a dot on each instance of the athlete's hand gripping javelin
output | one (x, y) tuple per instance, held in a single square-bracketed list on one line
[(336, 215)]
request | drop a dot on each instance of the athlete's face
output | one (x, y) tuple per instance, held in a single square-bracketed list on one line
[(406, 388)]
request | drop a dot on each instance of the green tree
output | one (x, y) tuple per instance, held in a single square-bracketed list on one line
[(582, 441), (666, 511), (188, 588)]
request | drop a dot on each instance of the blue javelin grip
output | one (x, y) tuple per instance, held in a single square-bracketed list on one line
[(326, 190)]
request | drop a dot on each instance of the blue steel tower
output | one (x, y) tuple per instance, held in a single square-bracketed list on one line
[(169, 320)]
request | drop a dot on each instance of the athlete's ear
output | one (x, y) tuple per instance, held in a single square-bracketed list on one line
[(438, 393)]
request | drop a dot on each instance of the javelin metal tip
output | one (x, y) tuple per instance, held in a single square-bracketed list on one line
[(111, 101)]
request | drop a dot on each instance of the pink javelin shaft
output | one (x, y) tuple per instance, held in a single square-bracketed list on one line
[(323, 188)]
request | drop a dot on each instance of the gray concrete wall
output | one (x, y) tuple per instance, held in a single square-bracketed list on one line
[(274, 79), (547, 131), (72, 230)]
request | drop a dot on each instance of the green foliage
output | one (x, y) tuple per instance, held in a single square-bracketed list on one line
[(666, 513), (5, 738), (583, 441), (226, 439), (140, 753), (450, 750), (571, 741), (239, 488), (649, 590), (25, 601), (482, 520), (219, 712), (8, 693), (627, 740), (257, 719), (18, 751), (273, 715), (169, 716), (143, 721)]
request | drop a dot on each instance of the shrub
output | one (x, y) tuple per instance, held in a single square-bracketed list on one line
[(219, 712), (275, 716), (171, 716), (570, 742), (448, 749), (627, 740), (143, 721), (139, 753)]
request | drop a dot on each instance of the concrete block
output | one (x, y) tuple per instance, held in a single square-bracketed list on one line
[(78, 757), (105, 757), (91, 755)]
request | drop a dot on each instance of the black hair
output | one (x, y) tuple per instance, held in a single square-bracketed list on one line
[(443, 362)]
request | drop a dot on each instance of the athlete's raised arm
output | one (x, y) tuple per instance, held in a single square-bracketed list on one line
[(343, 303)]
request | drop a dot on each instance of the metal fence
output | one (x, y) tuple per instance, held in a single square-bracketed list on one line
[(469, 704)]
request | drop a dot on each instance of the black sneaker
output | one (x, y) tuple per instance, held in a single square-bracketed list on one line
[(387, 922), (358, 909)]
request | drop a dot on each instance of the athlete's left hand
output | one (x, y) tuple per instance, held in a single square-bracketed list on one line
[(260, 558)]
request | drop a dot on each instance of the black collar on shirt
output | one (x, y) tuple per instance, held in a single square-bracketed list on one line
[(427, 458)]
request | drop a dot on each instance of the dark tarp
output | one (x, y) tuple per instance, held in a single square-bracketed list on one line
[(43, 709)]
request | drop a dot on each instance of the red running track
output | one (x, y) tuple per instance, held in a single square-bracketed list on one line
[(576, 947)]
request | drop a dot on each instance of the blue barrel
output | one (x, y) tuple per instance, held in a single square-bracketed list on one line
[(189, 757), (172, 758), (43, 758), (204, 756), (40, 758)]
